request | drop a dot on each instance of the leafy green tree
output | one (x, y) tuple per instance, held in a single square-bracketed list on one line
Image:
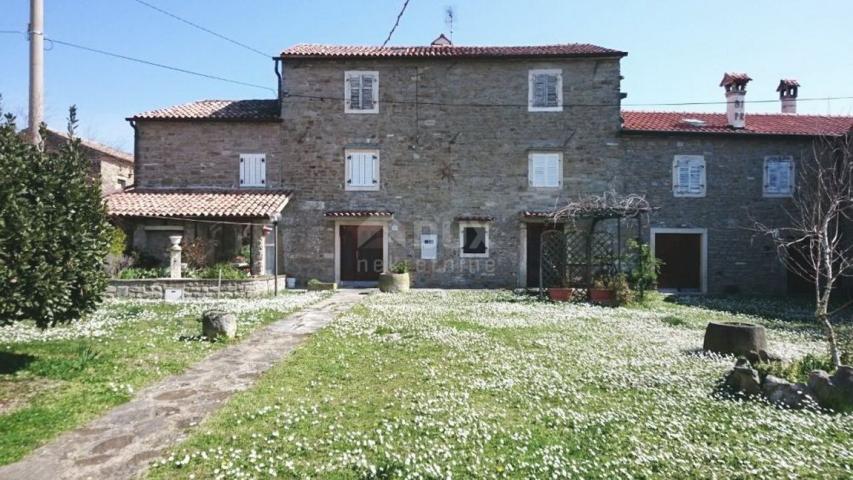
[(54, 233)]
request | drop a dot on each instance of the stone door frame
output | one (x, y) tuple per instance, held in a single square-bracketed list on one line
[(703, 258), (374, 222)]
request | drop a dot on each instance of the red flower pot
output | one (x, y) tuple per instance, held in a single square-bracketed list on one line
[(560, 294), (602, 296)]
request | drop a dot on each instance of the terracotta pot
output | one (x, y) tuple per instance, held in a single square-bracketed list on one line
[(560, 294), (602, 296), (394, 282)]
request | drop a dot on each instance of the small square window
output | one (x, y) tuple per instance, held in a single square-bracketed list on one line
[(688, 176), (545, 170), (361, 92), (362, 169), (253, 170), (545, 91), (474, 240), (778, 176)]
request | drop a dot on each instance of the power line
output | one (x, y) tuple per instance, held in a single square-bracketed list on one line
[(525, 105), (155, 64), (399, 16), (203, 29)]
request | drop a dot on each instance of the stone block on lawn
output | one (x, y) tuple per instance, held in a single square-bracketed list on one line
[(779, 391), (217, 324), (743, 379), (833, 391), (736, 338)]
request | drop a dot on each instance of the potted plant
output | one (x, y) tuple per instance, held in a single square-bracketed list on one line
[(397, 280), (563, 293), (602, 292)]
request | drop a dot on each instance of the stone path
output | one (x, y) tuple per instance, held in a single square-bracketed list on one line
[(121, 443)]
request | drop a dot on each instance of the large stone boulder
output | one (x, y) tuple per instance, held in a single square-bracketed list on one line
[(394, 282), (781, 392), (743, 379), (736, 338), (217, 324), (833, 391)]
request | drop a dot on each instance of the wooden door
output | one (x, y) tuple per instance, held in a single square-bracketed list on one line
[(361, 252), (534, 244), (681, 254)]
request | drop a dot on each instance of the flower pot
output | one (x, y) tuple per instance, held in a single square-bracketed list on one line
[(602, 296), (394, 282), (560, 294)]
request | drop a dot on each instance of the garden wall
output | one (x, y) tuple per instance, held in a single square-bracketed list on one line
[(157, 288)]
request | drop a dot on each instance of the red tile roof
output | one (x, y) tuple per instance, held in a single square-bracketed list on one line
[(448, 51), (117, 154), (197, 203), (357, 213), (756, 123), (216, 110)]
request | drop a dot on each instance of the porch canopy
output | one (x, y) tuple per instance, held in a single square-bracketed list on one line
[(223, 219)]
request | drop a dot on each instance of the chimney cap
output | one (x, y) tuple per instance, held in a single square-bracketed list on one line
[(786, 84), (441, 41), (736, 79)]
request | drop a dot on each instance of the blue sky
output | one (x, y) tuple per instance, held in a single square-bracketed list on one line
[(678, 50)]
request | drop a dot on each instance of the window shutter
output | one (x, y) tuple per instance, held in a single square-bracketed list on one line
[(354, 92), (348, 169), (550, 90), (539, 90), (552, 174), (262, 169), (242, 170), (367, 92), (374, 163), (695, 177), (253, 170)]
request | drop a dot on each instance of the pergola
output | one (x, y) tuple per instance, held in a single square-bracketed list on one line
[(571, 258)]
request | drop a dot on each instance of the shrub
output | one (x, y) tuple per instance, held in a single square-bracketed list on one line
[(400, 267), (621, 290), (646, 268), (54, 233), (228, 272), (136, 273), (797, 370)]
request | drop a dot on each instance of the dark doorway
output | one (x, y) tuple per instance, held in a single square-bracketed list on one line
[(361, 253), (681, 254), (534, 244)]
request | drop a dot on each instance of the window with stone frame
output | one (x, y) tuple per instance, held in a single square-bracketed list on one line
[(545, 169), (545, 90), (778, 176), (474, 239), (361, 92), (688, 176), (361, 169)]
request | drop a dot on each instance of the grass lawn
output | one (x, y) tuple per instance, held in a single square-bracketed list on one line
[(54, 380), (493, 385)]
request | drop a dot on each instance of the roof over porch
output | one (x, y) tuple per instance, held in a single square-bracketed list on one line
[(198, 203)]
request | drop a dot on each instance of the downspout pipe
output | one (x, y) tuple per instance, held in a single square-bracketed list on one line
[(276, 64)]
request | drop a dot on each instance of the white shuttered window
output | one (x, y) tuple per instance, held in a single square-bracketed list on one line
[(362, 170), (361, 92), (253, 170), (688, 176), (778, 176), (545, 170), (545, 90)]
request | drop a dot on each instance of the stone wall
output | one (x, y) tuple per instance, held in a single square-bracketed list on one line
[(203, 153), (154, 289), (438, 162), (738, 259)]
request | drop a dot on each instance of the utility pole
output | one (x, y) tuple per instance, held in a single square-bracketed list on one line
[(36, 34)]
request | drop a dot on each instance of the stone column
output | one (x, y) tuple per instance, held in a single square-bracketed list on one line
[(175, 256), (259, 233)]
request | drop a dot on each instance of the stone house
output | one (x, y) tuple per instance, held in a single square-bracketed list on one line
[(449, 157), (112, 167)]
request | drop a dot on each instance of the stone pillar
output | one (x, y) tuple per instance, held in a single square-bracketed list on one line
[(259, 233), (175, 256)]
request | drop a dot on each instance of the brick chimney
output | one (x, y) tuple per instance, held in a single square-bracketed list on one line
[(735, 85), (788, 95)]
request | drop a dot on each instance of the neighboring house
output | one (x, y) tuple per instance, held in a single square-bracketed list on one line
[(113, 167), (450, 157)]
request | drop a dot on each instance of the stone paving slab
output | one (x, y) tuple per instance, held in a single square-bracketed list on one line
[(122, 442)]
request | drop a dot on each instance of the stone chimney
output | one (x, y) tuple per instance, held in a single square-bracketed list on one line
[(441, 41), (735, 85), (788, 95)]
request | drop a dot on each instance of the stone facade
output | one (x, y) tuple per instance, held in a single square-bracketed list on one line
[(737, 258), (112, 167), (155, 289), (439, 162)]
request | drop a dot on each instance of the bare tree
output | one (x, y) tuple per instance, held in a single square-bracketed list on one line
[(813, 244)]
